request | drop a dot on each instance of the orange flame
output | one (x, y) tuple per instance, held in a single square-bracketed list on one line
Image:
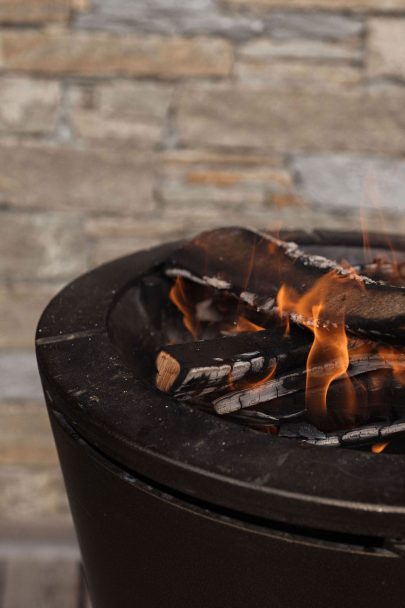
[(267, 377), (243, 384), (377, 448), (329, 355), (178, 295)]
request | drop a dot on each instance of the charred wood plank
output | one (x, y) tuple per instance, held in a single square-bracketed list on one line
[(201, 367), (294, 382), (365, 435), (253, 266)]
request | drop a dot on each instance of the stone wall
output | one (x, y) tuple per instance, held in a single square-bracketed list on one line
[(124, 123)]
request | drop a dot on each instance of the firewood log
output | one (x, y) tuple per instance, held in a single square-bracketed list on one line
[(294, 382), (366, 435), (204, 366), (253, 266)]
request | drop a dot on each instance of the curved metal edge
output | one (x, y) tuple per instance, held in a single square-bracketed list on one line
[(85, 379)]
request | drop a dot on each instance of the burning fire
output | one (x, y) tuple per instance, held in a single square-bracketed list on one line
[(329, 355), (178, 295)]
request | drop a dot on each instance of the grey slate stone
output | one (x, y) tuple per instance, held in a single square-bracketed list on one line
[(169, 16), (351, 181), (19, 378), (287, 25)]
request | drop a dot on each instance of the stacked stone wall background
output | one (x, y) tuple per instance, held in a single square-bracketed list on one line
[(124, 123)]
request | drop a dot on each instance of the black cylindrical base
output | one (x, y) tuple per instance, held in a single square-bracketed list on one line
[(143, 546)]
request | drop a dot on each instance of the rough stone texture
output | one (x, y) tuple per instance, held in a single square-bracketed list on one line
[(57, 51), (332, 5), (48, 177), (114, 237), (121, 110), (28, 106), (19, 378), (32, 493), (285, 25), (297, 74), (34, 11), (20, 307), (46, 583), (170, 16), (265, 49), (25, 434), (386, 48), (48, 246), (222, 184), (351, 181), (284, 121)]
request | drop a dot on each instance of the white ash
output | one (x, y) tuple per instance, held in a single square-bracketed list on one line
[(240, 369)]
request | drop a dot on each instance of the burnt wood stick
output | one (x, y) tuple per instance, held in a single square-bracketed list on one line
[(201, 367), (253, 266), (292, 382), (365, 435)]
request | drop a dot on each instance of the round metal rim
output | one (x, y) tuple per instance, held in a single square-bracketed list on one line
[(192, 452)]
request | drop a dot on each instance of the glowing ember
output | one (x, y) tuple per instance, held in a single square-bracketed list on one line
[(377, 448)]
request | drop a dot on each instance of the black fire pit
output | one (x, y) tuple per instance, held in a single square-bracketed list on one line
[(176, 507)]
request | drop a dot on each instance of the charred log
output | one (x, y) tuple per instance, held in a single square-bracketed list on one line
[(295, 382), (365, 435), (201, 367), (254, 265)]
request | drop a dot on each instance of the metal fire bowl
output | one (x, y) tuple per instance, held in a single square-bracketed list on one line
[(176, 507), (91, 387)]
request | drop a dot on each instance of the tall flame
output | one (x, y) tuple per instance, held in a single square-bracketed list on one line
[(329, 355), (178, 295)]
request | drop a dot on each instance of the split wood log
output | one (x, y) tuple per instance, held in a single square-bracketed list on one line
[(366, 435), (295, 381), (253, 266), (202, 367)]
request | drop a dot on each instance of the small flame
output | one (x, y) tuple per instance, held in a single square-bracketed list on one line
[(377, 448), (178, 295), (282, 300), (244, 384), (267, 377), (329, 355)]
